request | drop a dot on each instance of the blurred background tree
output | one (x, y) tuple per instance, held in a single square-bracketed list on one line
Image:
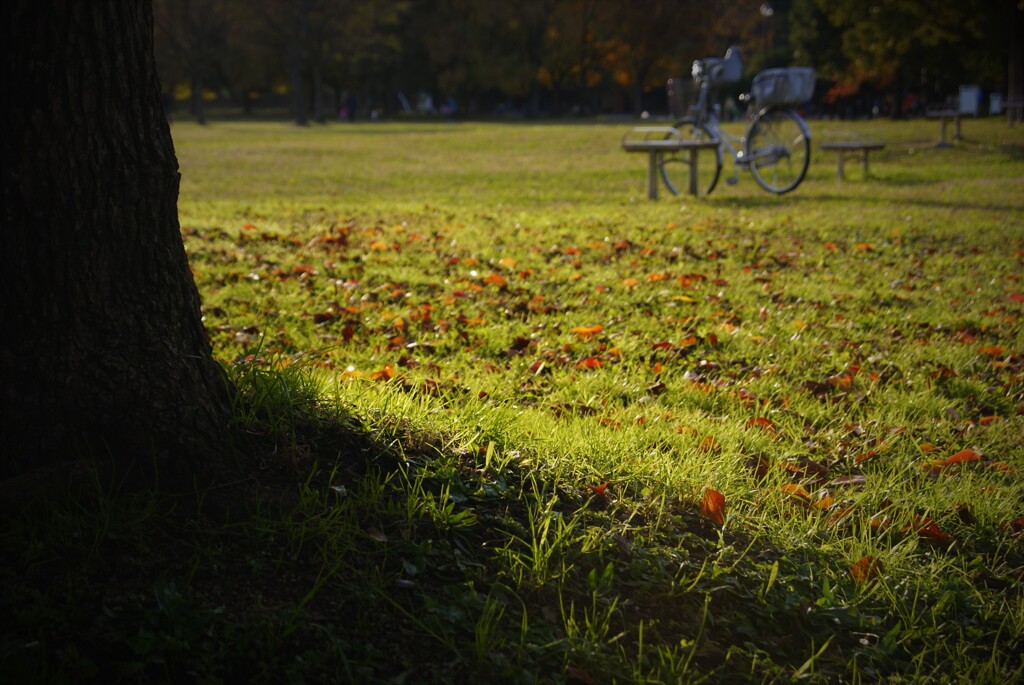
[(317, 59)]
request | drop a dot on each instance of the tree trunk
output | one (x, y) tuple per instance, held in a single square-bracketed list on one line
[(317, 78), (296, 63), (198, 109), (102, 351)]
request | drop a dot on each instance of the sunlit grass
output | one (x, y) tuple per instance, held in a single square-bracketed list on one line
[(507, 288)]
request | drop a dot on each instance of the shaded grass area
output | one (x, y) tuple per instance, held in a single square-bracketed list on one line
[(491, 387)]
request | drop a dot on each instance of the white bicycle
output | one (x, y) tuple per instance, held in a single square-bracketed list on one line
[(776, 148)]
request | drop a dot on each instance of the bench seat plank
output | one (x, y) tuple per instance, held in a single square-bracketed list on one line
[(842, 148)]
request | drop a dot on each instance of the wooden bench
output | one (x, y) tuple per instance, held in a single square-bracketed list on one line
[(945, 116), (656, 141), (851, 147)]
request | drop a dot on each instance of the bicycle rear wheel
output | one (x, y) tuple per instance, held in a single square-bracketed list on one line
[(675, 166), (778, 150)]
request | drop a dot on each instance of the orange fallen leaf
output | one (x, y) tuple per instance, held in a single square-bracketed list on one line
[(842, 381), (587, 331), (589, 363), (797, 492), (861, 458), (929, 530), (709, 445), (865, 569), (963, 455), (992, 350), (839, 515), (762, 423), (825, 503), (496, 279), (712, 506), (385, 373), (689, 341), (934, 466), (600, 490)]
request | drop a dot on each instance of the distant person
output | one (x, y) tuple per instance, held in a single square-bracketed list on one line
[(450, 108), (350, 106)]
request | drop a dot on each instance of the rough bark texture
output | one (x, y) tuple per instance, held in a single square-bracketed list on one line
[(102, 350)]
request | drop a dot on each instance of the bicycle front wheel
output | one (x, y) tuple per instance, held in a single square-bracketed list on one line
[(675, 166), (778, 150)]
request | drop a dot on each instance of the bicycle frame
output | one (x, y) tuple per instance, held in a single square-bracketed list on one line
[(704, 114)]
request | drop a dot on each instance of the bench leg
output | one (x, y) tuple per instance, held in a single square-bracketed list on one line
[(693, 172), (652, 175), (956, 129), (942, 136), (840, 159)]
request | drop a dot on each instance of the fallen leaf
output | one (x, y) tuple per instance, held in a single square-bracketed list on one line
[(929, 530), (709, 445), (385, 373), (762, 423), (797, 492), (861, 458), (689, 341), (992, 350), (865, 569), (962, 456), (495, 279), (600, 490), (587, 331), (578, 675), (712, 506), (935, 466), (856, 479)]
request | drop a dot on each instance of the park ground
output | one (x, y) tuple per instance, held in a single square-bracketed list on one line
[(511, 420)]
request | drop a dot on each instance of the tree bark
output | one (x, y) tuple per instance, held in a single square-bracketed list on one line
[(102, 348)]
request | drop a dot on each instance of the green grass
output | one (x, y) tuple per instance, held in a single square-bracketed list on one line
[(496, 381)]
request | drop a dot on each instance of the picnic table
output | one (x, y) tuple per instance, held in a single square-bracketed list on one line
[(945, 116), (843, 148), (658, 140)]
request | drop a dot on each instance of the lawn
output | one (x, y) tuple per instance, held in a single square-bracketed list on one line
[(530, 426)]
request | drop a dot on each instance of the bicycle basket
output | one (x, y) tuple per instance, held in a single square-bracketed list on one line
[(786, 87)]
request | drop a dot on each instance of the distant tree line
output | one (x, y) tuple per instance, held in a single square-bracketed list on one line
[(322, 59)]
